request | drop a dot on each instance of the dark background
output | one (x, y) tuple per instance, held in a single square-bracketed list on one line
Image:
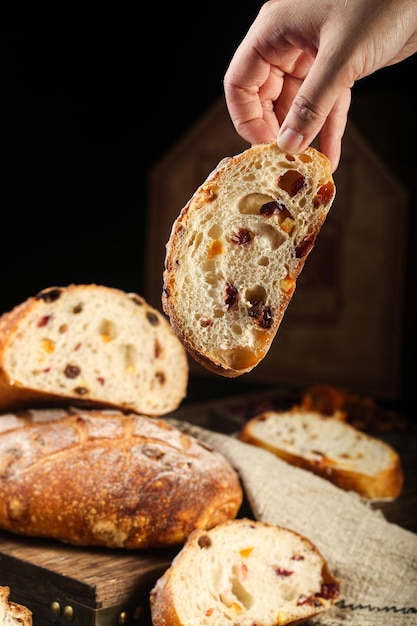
[(87, 111)]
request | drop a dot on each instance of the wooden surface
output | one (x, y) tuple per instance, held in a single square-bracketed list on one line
[(108, 582)]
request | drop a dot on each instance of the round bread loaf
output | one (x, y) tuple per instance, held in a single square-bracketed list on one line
[(103, 478), (244, 572)]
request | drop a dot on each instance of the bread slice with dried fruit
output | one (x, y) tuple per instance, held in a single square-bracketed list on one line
[(329, 447), (236, 250), (244, 572), (12, 613), (93, 346)]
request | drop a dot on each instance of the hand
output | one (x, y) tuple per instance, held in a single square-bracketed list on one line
[(291, 77)]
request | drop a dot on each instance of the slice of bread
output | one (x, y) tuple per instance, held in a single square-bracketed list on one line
[(11, 613), (90, 345), (244, 572), (330, 447), (236, 250)]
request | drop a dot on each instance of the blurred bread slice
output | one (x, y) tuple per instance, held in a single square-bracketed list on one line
[(330, 447)]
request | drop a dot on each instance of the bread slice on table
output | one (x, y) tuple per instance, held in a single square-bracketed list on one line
[(90, 345), (331, 448), (244, 572), (236, 250), (106, 478), (12, 613)]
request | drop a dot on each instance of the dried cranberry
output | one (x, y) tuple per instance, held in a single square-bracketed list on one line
[(304, 247), (272, 208), (261, 313), (241, 237), (44, 321), (280, 571), (329, 591), (231, 296)]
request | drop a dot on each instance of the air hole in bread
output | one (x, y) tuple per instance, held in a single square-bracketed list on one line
[(252, 203), (130, 357), (215, 231), (236, 329), (256, 294), (107, 330), (264, 261), (292, 182), (269, 232)]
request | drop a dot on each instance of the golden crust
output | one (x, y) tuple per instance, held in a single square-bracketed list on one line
[(109, 479)]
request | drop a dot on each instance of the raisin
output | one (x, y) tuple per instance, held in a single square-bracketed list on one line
[(81, 391), (272, 208), (231, 296), (78, 308), (49, 295), (72, 371), (204, 541), (304, 247), (241, 237), (262, 313), (152, 319)]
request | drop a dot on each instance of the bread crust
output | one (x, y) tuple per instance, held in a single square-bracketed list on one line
[(92, 346), (244, 572), (319, 455), (236, 250), (105, 478)]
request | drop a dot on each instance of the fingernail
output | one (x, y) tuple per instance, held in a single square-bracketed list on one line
[(289, 140)]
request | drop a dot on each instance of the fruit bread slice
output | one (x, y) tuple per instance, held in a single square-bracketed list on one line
[(331, 448), (12, 613), (244, 572), (236, 250), (90, 345)]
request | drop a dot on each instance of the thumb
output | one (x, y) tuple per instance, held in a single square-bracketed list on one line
[(312, 105)]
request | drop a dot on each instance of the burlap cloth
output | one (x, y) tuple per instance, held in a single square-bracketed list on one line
[(376, 560)]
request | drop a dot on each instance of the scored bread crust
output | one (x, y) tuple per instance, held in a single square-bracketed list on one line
[(330, 448), (236, 250), (12, 613), (93, 346), (244, 572), (105, 478)]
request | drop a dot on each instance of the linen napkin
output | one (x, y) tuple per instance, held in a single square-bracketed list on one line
[(375, 559)]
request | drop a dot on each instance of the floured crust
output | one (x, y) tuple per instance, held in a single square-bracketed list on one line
[(244, 572), (104, 478), (236, 250), (330, 448), (93, 346)]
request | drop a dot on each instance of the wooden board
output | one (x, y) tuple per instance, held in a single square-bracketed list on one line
[(99, 585)]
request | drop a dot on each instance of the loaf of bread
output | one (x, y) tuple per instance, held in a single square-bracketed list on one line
[(330, 447), (106, 478), (244, 572), (236, 250), (92, 346), (12, 613)]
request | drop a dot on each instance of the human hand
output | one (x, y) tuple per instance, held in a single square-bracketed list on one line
[(291, 77)]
